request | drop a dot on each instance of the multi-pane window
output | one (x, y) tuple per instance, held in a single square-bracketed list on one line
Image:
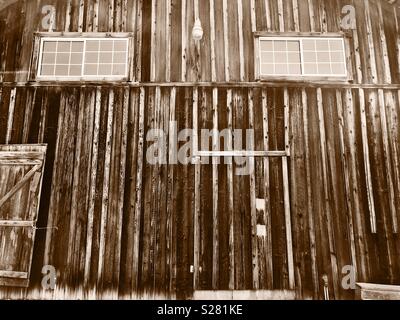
[(83, 58), (302, 56)]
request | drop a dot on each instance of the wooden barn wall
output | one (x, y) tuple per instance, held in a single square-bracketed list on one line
[(166, 52), (120, 226)]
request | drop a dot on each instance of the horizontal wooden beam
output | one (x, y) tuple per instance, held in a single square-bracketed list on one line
[(17, 155), (300, 34), (256, 84), (249, 154), (22, 224), (245, 295), (368, 291), (13, 274), (86, 34)]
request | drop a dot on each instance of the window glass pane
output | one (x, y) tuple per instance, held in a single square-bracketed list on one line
[(92, 57), (49, 58), (294, 57), (92, 45), (105, 69), (266, 45), (106, 45), (120, 45), (61, 70), (106, 57), (119, 57), (75, 70), (76, 58), (326, 59), (64, 46), (84, 57), (59, 56), (324, 68), (295, 69), (310, 68), (77, 46), (119, 69), (90, 69), (267, 57), (49, 46), (47, 70), (267, 69), (62, 58)]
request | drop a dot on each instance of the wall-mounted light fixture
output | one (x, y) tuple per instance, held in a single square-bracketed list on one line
[(197, 32)]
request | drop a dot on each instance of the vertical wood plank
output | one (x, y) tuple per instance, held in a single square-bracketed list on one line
[(197, 191), (371, 46), (310, 211), (184, 42), (347, 178), (241, 49), (286, 188), (387, 159), (256, 283), (138, 204), (106, 188), (327, 205), (212, 42), (215, 268), (226, 40), (92, 192), (267, 212), (230, 191), (387, 78), (367, 164)]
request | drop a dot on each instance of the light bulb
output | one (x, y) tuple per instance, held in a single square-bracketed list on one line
[(197, 32)]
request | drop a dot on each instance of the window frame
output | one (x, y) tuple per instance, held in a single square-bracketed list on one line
[(41, 37), (258, 36)]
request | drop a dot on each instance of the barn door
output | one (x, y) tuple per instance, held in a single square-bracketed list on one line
[(242, 223), (21, 173)]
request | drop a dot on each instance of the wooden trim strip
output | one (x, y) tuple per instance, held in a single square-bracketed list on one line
[(13, 224), (240, 153), (13, 274), (257, 84)]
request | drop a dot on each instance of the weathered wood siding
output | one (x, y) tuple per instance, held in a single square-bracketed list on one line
[(166, 51), (121, 227)]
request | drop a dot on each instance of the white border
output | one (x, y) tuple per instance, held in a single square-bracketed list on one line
[(82, 77), (300, 39)]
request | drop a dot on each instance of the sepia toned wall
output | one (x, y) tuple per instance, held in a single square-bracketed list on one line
[(126, 228)]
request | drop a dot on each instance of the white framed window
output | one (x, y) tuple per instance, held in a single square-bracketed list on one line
[(83, 58), (301, 56)]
